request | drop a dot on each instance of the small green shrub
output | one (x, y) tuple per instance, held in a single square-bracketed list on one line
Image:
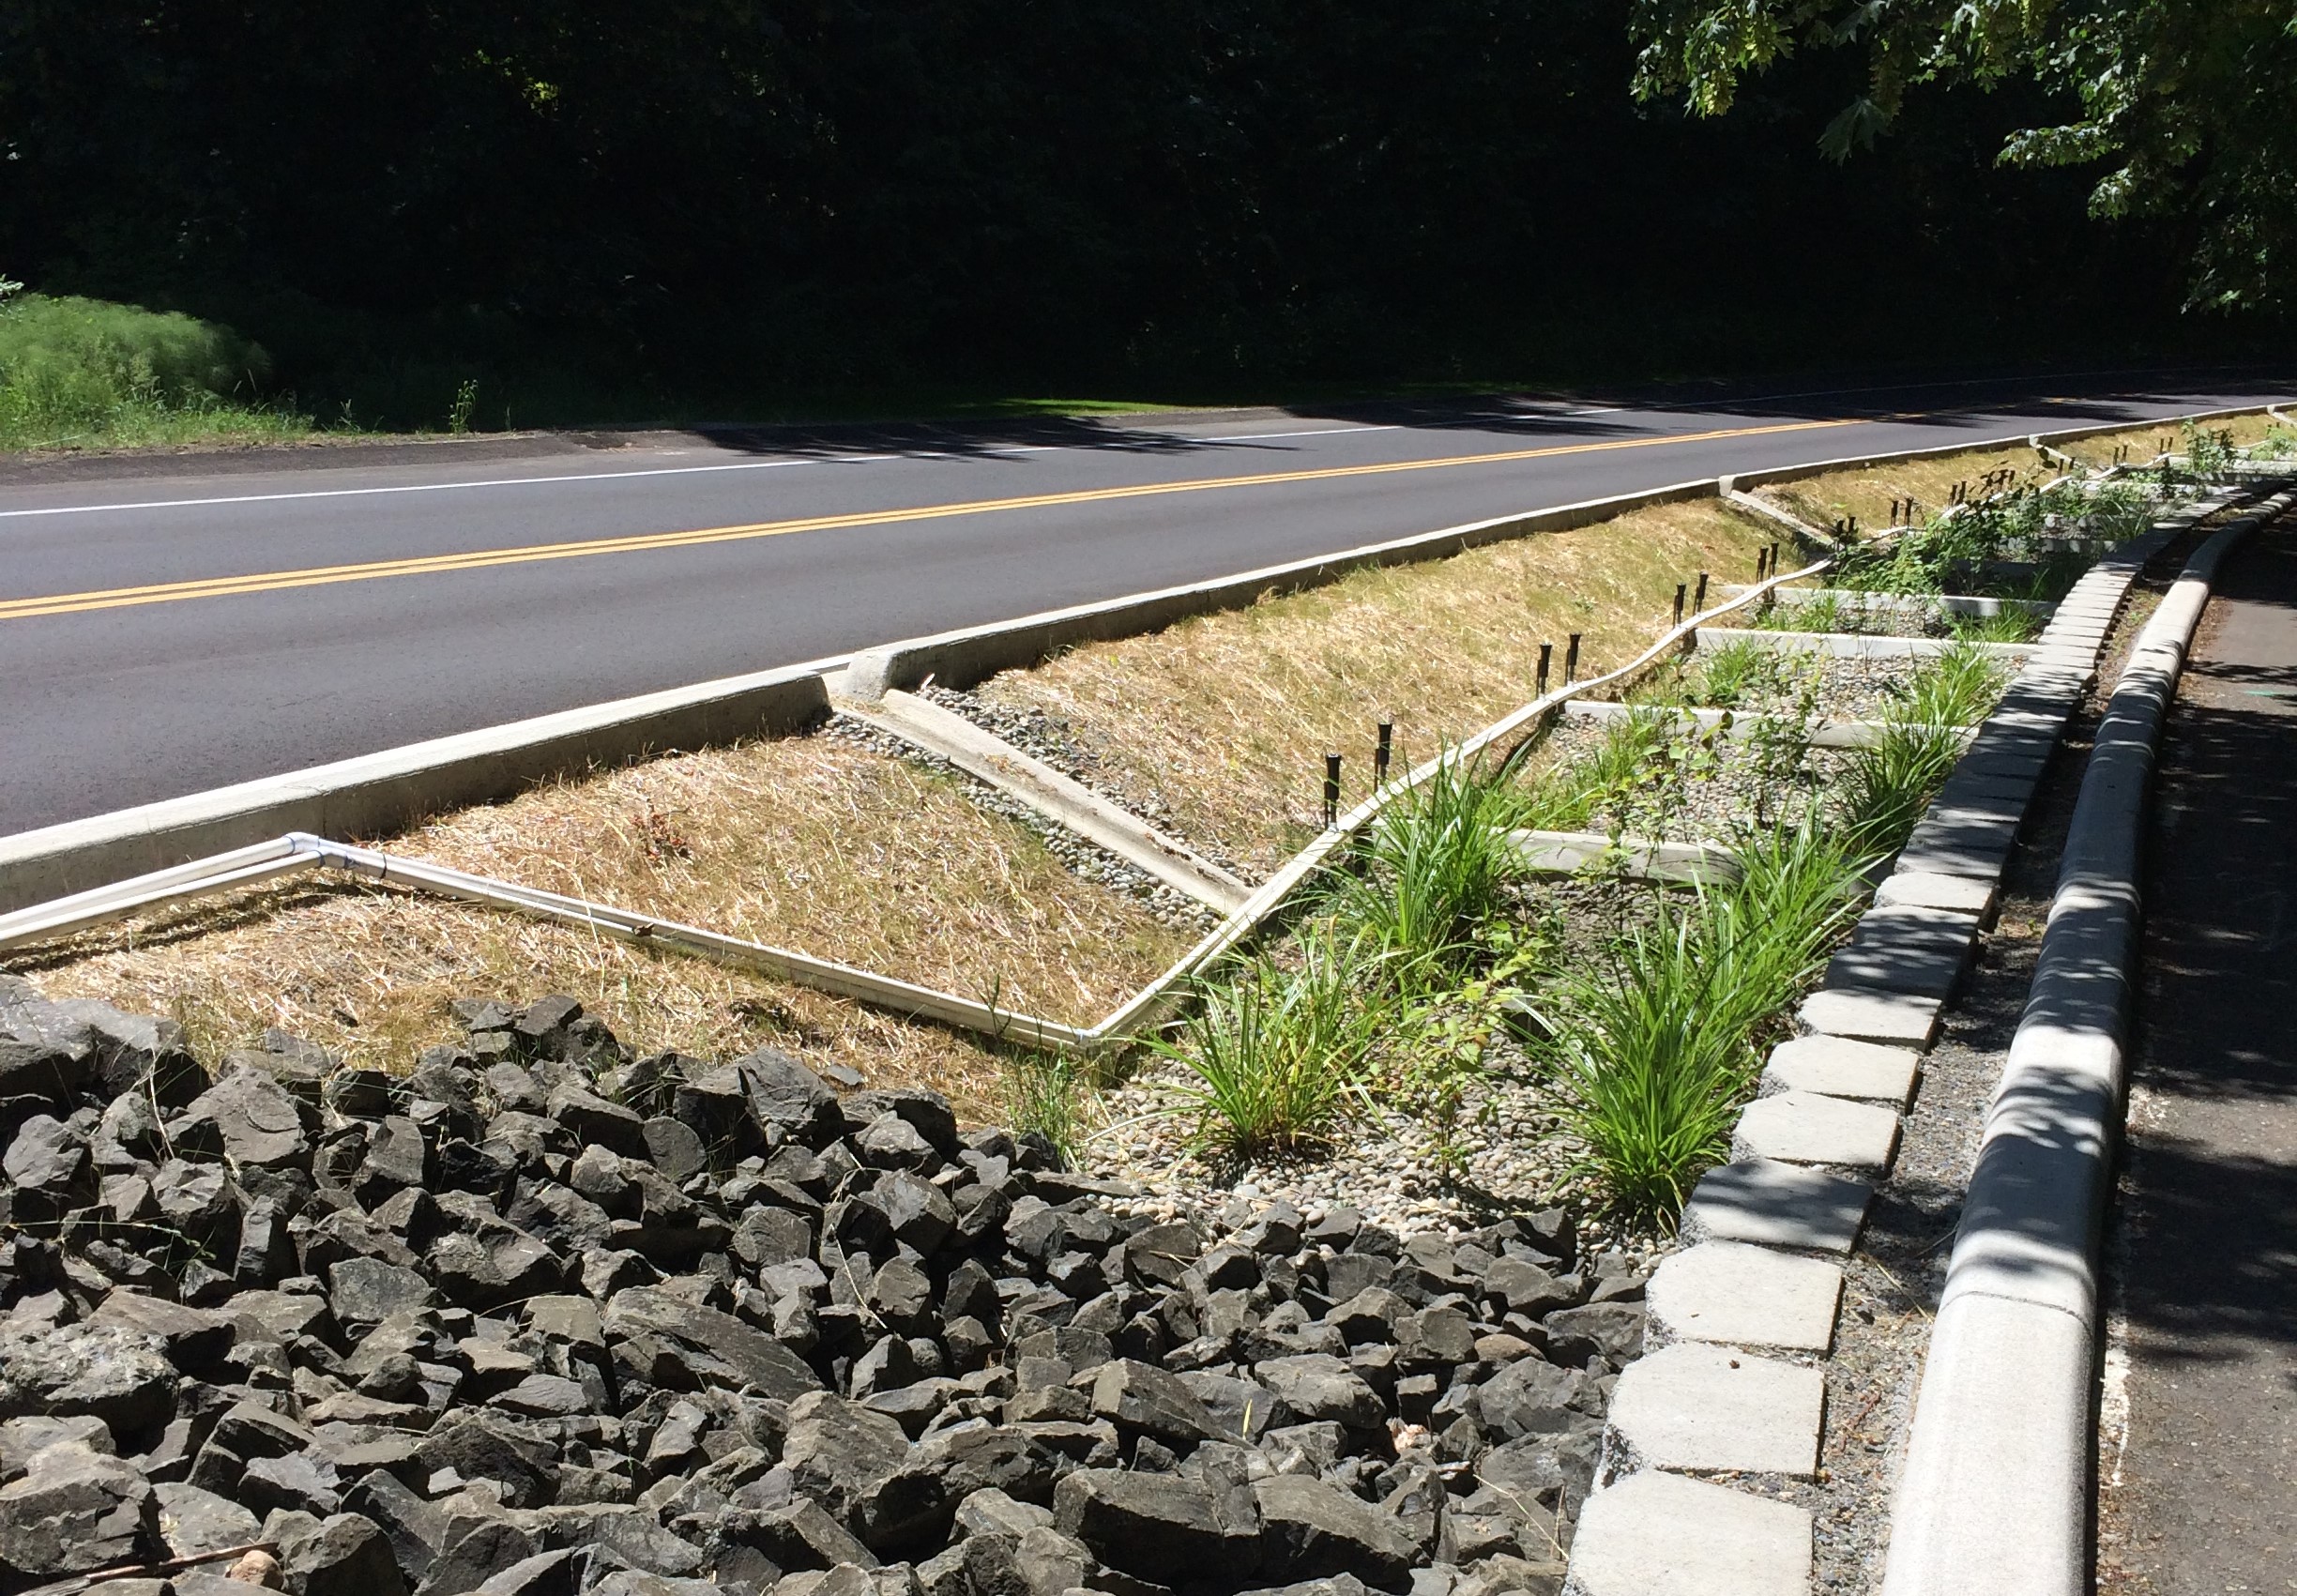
[(1654, 1052), (2207, 452), (2279, 443), (1569, 796), (1889, 784), (75, 370), (1280, 1055)]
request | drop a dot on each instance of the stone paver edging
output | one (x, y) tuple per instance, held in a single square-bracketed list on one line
[(1996, 1494), (1828, 1117)]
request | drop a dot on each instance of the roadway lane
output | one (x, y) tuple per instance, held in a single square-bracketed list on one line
[(161, 635)]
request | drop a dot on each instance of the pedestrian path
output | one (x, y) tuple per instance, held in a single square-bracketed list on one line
[(2198, 1474)]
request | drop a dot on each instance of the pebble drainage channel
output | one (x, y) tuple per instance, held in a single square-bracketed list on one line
[(1726, 1413)]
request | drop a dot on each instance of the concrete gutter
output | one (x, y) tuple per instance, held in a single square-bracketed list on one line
[(1995, 1499)]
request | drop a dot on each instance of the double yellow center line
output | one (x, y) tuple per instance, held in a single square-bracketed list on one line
[(480, 559)]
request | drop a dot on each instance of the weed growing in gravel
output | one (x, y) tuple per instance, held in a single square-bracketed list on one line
[(1955, 689), (1569, 796), (1280, 1052), (2005, 626), (1822, 614), (1734, 674), (1045, 1093)]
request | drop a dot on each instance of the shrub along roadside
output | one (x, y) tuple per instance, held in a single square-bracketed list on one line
[(84, 372)]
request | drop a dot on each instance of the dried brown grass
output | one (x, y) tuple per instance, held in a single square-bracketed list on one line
[(805, 843), (1867, 491), (1224, 719)]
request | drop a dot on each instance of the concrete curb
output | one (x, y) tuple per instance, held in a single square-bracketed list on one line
[(1995, 1501), (1827, 1120), (379, 793)]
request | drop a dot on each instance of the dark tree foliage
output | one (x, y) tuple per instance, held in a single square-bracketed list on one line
[(2178, 107), (718, 196)]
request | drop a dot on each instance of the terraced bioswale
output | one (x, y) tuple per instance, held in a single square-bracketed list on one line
[(1317, 1277), (542, 1317)]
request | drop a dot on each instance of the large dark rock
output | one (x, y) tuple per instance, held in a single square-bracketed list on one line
[(786, 1095), (113, 1373), (1310, 1530), (716, 1348), (1142, 1399), (76, 1510), (478, 1447), (1530, 1397), (1165, 1527), (1610, 1331), (259, 1122), (1318, 1386)]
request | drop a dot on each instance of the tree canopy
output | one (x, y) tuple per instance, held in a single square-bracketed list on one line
[(396, 196), (2189, 107)]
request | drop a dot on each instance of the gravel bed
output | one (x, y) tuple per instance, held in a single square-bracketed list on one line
[(1514, 1155), (1089, 860), (1718, 795), (1051, 738)]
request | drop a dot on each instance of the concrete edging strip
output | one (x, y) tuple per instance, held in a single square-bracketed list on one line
[(1994, 1498)]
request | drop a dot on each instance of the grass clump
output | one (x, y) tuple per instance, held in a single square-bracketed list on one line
[(1432, 870), (88, 372), (1045, 1095), (1655, 1048), (1279, 1053)]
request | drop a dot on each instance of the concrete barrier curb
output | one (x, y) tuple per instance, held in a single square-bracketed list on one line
[(1829, 1105), (1995, 1499), (959, 659), (379, 793)]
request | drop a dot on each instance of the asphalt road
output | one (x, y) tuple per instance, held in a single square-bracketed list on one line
[(169, 625)]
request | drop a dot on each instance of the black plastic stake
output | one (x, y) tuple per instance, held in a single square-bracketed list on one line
[(1331, 791), (1775, 566), (1762, 563), (1570, 661), (1380, 755), (1547, 653), (1682, 591), (1698, 601)]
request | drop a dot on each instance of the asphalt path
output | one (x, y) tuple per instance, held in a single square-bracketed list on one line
[(170, 626)]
